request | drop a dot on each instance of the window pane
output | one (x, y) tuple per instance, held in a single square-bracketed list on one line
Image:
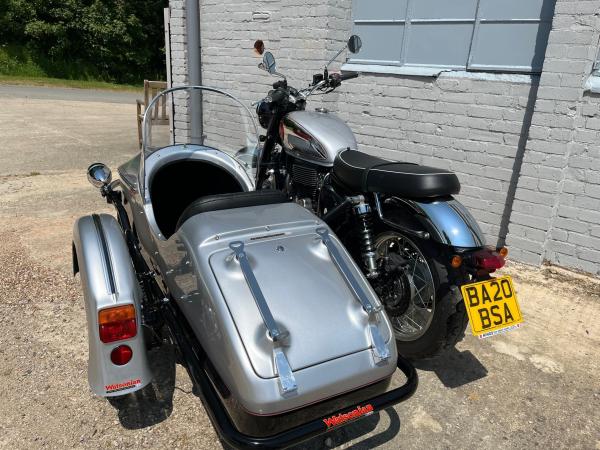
[(510, 46), (443, 9), (379, 9), (381, 42), (516, 9), (439, 44)]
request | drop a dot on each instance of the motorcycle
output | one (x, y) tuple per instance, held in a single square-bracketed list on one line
[(415, 243), (281, 334)]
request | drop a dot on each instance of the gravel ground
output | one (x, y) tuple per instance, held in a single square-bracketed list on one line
[(534, 387)]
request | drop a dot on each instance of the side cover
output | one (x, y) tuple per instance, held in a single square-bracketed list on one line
[(108, 279)]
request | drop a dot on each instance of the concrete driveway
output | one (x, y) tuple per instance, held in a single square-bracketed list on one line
[(534, 387)]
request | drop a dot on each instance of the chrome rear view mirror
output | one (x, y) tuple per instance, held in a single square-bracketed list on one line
[(269, 63), (99, 175), (354, 43)]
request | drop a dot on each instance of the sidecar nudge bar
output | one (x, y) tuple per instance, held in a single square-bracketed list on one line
[(381, 351), (287, 382), (243, 430)]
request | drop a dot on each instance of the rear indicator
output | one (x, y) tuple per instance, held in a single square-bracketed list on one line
[(121, 355), (456, 261), (116, 324)]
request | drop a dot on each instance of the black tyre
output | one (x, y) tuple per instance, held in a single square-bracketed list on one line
[(418, 287)]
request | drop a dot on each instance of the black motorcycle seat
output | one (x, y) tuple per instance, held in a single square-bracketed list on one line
[(232, 200), (361, 172)]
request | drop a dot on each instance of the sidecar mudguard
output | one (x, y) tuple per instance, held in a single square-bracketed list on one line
[(101, 256)]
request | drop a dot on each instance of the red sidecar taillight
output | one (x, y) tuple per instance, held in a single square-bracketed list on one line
[(121, 355), (117, 323), (488, 260)]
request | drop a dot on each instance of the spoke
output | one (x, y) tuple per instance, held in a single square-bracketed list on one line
[(421, 279), (418, 293), (416, 325)]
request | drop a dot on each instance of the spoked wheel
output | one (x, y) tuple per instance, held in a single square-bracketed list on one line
[(413, 284), (406, 286)]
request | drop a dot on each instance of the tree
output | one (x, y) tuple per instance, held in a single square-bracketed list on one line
[(115, 40)]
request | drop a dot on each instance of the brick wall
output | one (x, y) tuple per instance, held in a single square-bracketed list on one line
[(466, 125), (179, 74), (474, 124), (556, 214)]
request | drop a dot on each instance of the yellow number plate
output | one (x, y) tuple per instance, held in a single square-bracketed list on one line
[(492, 306)]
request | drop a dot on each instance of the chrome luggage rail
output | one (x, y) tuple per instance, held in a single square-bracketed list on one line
[(287, 381), (381, 351)]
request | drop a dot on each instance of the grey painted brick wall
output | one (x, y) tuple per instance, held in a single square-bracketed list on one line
[(556, 214), (469, 126), (475, 125), (179, 74)]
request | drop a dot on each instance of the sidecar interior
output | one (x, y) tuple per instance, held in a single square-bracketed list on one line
[(187, 183)]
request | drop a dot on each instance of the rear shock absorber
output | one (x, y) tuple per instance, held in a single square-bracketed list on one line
[(365, 221)]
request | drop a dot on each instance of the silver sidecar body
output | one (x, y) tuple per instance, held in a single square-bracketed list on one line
[(257, 285)]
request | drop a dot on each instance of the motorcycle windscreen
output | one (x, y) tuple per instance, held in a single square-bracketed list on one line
[(308, 298), (203, 116)]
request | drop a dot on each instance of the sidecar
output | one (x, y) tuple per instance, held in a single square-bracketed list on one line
[(279, 330)]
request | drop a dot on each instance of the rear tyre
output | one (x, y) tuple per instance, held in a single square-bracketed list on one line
[(419, 290)]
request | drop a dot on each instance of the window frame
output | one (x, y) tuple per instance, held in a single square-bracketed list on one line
[(401, 67)]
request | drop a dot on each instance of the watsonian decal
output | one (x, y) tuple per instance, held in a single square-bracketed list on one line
[(341, 419), (122, 386)]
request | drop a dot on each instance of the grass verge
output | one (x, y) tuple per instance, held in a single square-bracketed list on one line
[(19, 66), (59, 82)]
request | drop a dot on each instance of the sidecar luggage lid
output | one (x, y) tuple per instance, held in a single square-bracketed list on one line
[(329, 344)]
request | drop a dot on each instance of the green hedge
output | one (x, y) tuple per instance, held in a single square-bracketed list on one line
[(111, 40)]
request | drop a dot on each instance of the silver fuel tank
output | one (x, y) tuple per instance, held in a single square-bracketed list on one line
[(316, 136)]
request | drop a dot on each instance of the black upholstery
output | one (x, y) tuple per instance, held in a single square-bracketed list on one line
[(365, 173), (229, 201)]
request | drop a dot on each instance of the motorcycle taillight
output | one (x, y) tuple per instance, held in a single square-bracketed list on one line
[(116, 324), (488, 259)]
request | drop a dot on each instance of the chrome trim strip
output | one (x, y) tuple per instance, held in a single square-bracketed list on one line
[(287, 382), (104, 245), (381, 351)]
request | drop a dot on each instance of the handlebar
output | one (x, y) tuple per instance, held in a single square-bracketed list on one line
[(320, 83), (278, 95)]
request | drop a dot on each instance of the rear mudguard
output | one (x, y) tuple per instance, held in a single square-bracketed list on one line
[(446, 220), (101, 256)]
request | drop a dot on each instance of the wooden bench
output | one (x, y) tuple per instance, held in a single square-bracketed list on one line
[(159, 114)]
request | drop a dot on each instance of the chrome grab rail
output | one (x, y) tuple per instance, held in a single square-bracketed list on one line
[(287, 381), (381, 351)]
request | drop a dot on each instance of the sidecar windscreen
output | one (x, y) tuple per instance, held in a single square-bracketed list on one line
[(203, 116), (210, 149)]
